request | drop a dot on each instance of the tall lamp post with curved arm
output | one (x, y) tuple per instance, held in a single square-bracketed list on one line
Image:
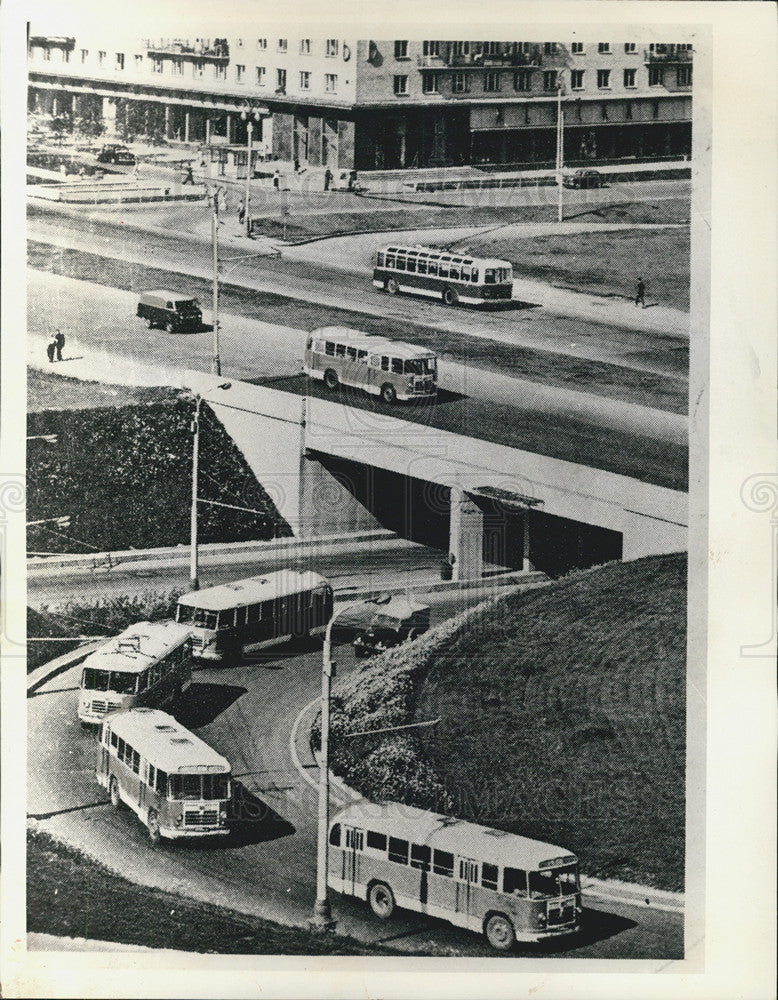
[(249, 116), (560, 149)]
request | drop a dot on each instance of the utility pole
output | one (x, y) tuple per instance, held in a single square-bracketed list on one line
[(216, 363), (559, 143), (249, 115)]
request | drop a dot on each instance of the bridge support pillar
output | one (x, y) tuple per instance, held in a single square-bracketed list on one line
[(466, 536)]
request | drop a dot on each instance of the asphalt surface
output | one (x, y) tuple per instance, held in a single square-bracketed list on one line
[(267, 865)]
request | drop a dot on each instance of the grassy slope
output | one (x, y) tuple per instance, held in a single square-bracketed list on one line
[(562, 717), (580, 689), (71, 895)]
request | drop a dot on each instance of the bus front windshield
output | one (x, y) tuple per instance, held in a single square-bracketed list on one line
[(195, 616), (553, 882), (420, 366), (108, 680), (193, 787)]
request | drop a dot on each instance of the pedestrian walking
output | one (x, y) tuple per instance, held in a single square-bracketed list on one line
[(241, 212), (188, 175), (51, 347), (327, 179), (640, 294), (60, 342), (136, 171), (277, 179)]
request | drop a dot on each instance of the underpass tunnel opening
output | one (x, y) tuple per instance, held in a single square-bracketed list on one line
[(413, 508), (526, 538)]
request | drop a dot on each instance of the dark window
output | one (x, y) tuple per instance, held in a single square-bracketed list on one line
[(114, 740), (629, 77), (603, 47), (514, 880), (398, 850), (420, 856), (136, 761), (340, 350), (120, 749), (397, 366), (576, 79), (603, 78), (385, 364), (443, 863), (522, 80), (577, 48), (656, 76), (550, 79), (162, 782), (329, 348), (152, 775), (683, 76), (400, 50), (489, 876), (376, 840), (352, 353)]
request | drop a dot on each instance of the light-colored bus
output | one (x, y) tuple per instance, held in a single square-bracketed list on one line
[(451, 277), (176, 784), (242, 617), (390, 369), (505, 886), (149, 663)]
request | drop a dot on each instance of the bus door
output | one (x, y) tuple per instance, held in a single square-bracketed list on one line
[(374, 372), (467, 883), (143, 777), (105, 744), (354, 369), (354, 845)]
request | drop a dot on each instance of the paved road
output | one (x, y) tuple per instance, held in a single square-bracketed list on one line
[(586, 327), (609, 433), (267, 867)]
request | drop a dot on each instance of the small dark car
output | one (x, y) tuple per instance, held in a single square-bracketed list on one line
[(116, 153), (170, 310), (398, 620), (584, 179)]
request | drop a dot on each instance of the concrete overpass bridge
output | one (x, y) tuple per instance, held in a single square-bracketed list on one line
[(333, 468)]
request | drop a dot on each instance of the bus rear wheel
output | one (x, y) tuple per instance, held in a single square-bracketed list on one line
[(449, 296), (152, 822), (499, 932), (331, 379), (388, 393), (381, 900), (392, 287), (113, 791)]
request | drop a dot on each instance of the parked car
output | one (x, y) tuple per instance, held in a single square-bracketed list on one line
[(116, 153), (584, 179), (171, 310), (397, 620)]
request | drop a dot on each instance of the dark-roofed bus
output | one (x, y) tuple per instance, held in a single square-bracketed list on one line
[(175, 783), (507, 887), (451, 277), (242, 617), (149, 663)]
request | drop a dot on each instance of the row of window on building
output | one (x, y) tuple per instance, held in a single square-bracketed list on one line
[(552, 80), (433, 49)]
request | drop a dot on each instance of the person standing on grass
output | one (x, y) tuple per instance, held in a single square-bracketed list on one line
[(277, 179), (60, 343), (640, 294), (51, 347)]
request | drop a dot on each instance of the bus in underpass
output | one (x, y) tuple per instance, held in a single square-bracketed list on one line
[(507, 887)]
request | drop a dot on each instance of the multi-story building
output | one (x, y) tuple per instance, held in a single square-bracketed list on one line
[(350, 103)]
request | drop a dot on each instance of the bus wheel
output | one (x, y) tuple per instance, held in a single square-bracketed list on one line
[(113, 791), (381, 900), (149, 322), (449, 296), (392, 287), (388, 393), (499, 932), (153, 824), (331, 379), (169, 326)]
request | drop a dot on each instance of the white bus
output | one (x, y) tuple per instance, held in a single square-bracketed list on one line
[(508, 887), (390, 369), (451, 277), (149, 663), (176, 784), (245, 616)]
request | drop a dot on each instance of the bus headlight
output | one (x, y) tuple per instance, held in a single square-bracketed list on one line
[(178, 819), (542, 919)]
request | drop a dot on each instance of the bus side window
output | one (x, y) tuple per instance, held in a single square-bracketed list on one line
[(120, 749), (489, 276), (355, 839), (390, 260), (340, 350), (411, 264), (240, 617), (362, 356), (351, 352), (475, 275), (489, 876), (385, 364), (433, 267), (400, 262), (335, 835), (420, 856), (375, 361), (162, 783), (465, 272), (379, 259), (454, 272), (329, 348), (376, 841), (514, 881), (152, 781), (443, 269), (114, 740), (422, 265), (398, 850), (443, 863), (397, 366)]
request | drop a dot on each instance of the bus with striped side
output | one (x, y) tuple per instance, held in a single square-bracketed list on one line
[(499, 884), (234, 619), (149, 663), (174, 782), (440, 274)]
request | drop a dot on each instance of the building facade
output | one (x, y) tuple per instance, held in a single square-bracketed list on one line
[(374, 105)]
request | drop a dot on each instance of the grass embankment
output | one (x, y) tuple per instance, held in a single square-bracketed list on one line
[(69, 894), (562, 717), (123, 475)]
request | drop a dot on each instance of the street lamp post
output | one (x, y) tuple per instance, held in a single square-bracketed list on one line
[(194, 582), (322, 912), (249, 116), (216, 361), (560, 125)]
